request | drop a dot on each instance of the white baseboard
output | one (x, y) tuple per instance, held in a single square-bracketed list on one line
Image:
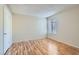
[(31, 38), (64, 42)]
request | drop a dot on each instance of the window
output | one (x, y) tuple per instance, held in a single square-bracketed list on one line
[(53, 26)]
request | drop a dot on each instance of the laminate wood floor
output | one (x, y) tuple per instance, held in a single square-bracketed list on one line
[(41, 47)]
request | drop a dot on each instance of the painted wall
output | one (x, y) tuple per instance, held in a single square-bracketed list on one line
[(7, 28), (68, 26), (1, 30), (5, 25), (28, 27)]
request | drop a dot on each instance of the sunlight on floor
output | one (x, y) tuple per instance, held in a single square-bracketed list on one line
[(52, 48)]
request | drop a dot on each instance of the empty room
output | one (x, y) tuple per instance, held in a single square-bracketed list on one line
[(39, 29)]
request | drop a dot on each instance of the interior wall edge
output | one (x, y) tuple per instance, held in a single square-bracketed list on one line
[(63, 42)]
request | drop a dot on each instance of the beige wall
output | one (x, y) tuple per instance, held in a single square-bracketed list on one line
[(68, 26), (28, 27)]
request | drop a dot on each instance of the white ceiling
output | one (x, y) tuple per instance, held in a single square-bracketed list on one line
[(40, 10)]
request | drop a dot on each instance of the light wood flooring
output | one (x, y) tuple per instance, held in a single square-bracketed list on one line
[(41, 47)]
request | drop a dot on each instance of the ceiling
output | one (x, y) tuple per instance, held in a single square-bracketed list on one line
[(39, 10)]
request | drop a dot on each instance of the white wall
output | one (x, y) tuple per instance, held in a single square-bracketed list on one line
[(7, 28), (28, 27), (68, 26), (5, 16), (1, 30)]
